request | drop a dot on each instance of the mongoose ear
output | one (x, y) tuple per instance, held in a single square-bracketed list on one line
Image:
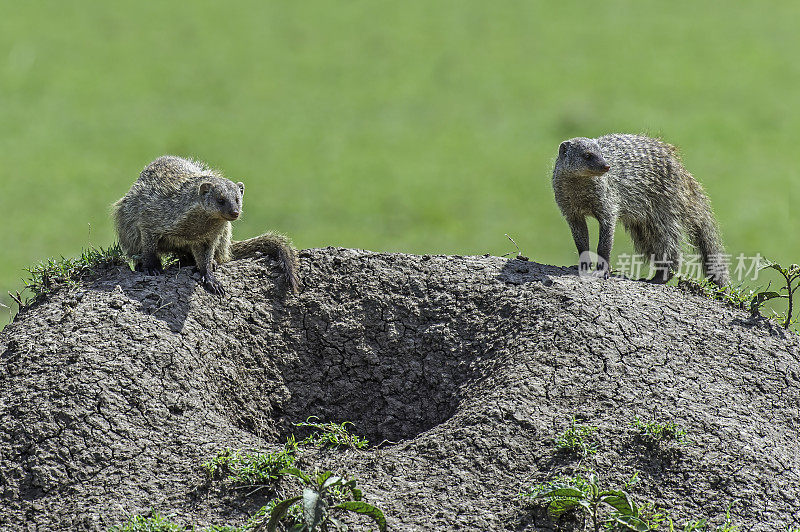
[(241, 187), (563, 148), (204, 188)]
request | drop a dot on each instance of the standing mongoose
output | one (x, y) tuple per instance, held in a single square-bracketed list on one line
[(642, 182), (183, 207)]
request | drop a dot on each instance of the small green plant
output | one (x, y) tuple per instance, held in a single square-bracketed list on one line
[(43, 276), (734, 296), (251, 469), (648, 513), (577, 439), (293, 517), (745, 298), (324, 496), (153, 522), (331, 435), (689, 526), (728, 525), (701, 525), (791, 277), (610, 508), (655, 432)]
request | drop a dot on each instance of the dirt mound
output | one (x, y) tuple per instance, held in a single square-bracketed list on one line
[(113, 391)]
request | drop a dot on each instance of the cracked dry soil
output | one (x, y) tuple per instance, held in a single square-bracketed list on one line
[(112, 392)]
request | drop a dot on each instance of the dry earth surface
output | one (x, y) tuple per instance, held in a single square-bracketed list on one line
[(112, 392)]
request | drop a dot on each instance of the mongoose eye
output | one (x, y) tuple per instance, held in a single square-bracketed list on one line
[(587, 155), (220, 201)]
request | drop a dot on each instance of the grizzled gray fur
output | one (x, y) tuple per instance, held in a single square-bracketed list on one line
[(641, 182), (183, 207)]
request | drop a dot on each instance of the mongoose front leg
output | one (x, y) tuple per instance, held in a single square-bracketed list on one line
[(203, 258), (149, 262), (580, 234), (604, 244)]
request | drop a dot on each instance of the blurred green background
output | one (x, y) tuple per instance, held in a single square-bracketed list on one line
[(417, 126)]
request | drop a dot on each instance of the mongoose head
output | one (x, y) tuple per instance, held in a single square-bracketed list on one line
[(581, 157), (222, 197)]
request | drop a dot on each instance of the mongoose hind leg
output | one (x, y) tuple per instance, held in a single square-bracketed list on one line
[(149, 261), (658, 246), (661, 277), (185, 258), (149, 264), (666, 267)]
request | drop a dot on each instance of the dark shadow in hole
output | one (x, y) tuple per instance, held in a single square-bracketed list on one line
[(395, 370)]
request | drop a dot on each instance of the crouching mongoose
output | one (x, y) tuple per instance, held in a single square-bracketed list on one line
[(641, 182), (185, 208)]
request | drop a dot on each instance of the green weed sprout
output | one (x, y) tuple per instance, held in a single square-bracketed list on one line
[(251, 469), (733, 296), (331, 435), (656, 432), (153, 522), (577, 439), (43, 276)]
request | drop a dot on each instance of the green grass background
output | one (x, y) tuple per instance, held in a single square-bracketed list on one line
[(417, 126)]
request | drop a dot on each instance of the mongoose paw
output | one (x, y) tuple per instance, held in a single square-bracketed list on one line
[(601, 272), (212, 285), (597, 274)]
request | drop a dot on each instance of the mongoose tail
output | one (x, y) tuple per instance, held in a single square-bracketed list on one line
[(704, 234), (276, 245)]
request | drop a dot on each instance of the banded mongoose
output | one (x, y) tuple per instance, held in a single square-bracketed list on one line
[(183, 207), (641, 182)]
